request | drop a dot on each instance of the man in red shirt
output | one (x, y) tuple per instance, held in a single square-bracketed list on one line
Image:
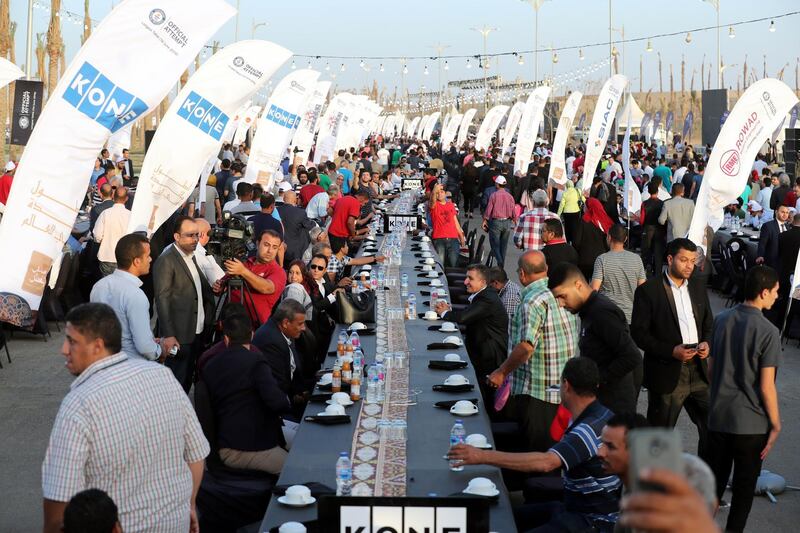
[(447, 232), (5, 182), (310, 190), (344, 218), (265, 278)]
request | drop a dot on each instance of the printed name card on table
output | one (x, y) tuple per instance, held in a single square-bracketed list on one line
[(411, 184), (393, 222), (405, 515)]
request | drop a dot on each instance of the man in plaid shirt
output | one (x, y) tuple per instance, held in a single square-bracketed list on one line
[(528, 234), (544, 336)]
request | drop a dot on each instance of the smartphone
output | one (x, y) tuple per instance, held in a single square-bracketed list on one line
[(692, 346), (653, 448)]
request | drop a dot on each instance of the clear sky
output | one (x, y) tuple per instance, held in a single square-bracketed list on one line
[(414, 27)]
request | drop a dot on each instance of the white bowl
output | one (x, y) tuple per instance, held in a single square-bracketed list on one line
[(433, 274), (429, 261), (477, 440), (456, 379), (436, 282), (482, 486), (453, 358), (448, 327), (431, 315), (366, 267), (452, 339), (464, 408)]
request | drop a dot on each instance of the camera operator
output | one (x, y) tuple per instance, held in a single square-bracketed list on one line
[(264, 277)]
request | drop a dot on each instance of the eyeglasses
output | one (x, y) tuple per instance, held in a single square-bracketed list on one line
[(316, 267)]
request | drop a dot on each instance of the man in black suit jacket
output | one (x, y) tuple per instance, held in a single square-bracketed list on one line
[(768, 253), (126, 155), (788, 247), (275, 338), (487, 326), (672, 322), (246, 402), (296, 227), (556, 249), (184, 301)]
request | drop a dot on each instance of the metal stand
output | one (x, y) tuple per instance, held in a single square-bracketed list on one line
[(235, 283)]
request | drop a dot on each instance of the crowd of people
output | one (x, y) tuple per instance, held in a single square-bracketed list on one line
[(564, 353)]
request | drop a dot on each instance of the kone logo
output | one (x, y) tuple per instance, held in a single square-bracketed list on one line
[(101, 100), (282, 117), (203, 114)]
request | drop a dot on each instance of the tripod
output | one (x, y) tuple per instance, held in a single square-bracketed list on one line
[(245, 297)]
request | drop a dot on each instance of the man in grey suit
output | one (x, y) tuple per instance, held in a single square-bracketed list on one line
[(677, 213), (296, 228), (184, 300)]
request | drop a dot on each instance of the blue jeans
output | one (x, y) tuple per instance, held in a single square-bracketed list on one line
[(448, 250), (499, 232)]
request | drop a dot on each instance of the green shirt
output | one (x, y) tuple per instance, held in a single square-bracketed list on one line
[(324, 181), (553, 333)]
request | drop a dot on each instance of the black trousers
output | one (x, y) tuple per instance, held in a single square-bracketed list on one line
[(653, 246), (534, 418), (571, 222), (184, 364), (742, 453)]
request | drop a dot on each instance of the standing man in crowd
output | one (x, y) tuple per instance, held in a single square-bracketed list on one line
[(677, 213), (604, 336), (767, 253), (672, 321), (498, 219), (743, 420), (345, 218), (296, 227), (111, 225), (556, 248), (508, 290), (122, 292), (125, 428), (618, 272), (184, 301), (543, 337), (528, 233), (654, 233)]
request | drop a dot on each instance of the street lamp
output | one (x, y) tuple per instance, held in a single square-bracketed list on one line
[(254, 27), (485, 31), (536, 4)]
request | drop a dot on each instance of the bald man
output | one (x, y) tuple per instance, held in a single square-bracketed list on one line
[(544, 336), (111, 226), (208, 265)]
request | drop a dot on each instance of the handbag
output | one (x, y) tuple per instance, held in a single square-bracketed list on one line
[(355, 307)]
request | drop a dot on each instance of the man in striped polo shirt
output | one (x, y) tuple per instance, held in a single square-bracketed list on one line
[(591, 497)]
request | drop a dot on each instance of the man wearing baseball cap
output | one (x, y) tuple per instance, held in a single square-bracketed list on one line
[(499, 219), (5, 184)]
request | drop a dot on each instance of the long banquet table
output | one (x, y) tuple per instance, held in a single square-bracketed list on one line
[(316, 447)]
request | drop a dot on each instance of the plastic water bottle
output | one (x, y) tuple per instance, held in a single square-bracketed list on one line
[(372, 384), (404, 285), (411, 307), (380, 369), (457, 436), (344, 475), (358, 358), (355, 340), (373, 283)]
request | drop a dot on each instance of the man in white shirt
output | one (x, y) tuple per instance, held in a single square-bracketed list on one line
[(244, 192), (208, 265), (764, 197), (111, 225), (383, 158)]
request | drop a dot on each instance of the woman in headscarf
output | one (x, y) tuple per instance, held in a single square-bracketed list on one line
[(590, 238), (570, 209)]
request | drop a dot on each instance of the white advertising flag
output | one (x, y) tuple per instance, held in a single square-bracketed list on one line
[(757, 113), (119, 141), (463, 128), (421, 126), (277, 126), (633, 197), (449, 132), (603, 118), (489, 126), (304, 136), (426, 134), (329, 128), (529, 128), (193, 127), (9, 72), (233, 124), (245, 123), (350, 108), (512, 123), (412, 127), (558, 167), (122, 72)]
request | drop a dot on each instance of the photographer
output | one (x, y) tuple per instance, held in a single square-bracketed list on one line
[(263, 275)]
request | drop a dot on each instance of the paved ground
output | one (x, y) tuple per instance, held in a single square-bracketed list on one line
[(31, 389)]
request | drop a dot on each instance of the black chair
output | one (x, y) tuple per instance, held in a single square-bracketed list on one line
[(51, 304), (737, 264)]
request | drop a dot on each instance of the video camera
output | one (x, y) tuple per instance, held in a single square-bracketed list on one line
[(233, 239)]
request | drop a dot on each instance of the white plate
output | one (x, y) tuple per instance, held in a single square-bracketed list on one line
[(331, 402), (456, 330), (325, 413), (282, 499), (475, 412), (495, 493)]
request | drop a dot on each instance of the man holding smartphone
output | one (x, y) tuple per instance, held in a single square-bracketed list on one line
[(671, 322)]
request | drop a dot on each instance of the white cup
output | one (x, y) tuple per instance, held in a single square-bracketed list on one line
[(477, 439), (334, 409), (430, 261), (340, 398), (427, 268), (431, 315), (436, 282), (452, 339), (424, 247), (298, 495), (448, 326), (453, 358), (481, 485), (427, 254), (465, 407), (456, 379), (433, 274), (425, 238), (326, 379), (292, 527), (357, 326)]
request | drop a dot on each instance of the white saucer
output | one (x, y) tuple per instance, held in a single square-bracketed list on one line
[(282, 499), (495, 493), (331, 402), (456, 330), (475, 412), (325, 413)]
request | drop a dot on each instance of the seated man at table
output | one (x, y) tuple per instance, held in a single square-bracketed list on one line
[(246, 401), (487, 326), (591, 497)]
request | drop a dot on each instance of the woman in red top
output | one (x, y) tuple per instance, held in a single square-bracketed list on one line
[(447, 233)]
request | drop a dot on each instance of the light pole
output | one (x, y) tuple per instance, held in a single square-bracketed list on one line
[(254, 27), (29, 44), (440, 48), (236, 32), (485, 31), (536, 4)]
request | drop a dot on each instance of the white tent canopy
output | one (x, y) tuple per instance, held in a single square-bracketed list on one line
[(636, 114)]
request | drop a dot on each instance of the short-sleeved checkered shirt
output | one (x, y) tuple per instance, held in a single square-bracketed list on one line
[(553, 333), (336, 265), (127, 427), (509, 295), (528, 232)]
